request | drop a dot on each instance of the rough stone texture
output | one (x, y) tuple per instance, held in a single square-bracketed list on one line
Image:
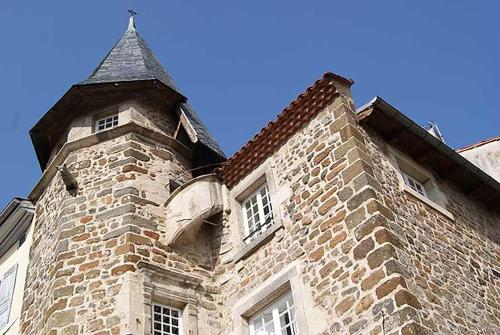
[(85, 245), (324, 167), (449, 265), (370, 257)]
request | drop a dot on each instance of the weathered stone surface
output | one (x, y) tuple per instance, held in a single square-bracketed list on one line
[(344, 305), (136, 154), (369, 225), (404, 297), (116, 271), (373, 279), (120, 231), (348, 234), (363, 248), (380, 255), (116, 212), (389, 286)]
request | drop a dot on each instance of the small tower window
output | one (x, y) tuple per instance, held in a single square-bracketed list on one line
[(258, 213), (166, 320), (106, 123)]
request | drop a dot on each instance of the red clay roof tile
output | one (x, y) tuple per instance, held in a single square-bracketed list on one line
[(276, 133)]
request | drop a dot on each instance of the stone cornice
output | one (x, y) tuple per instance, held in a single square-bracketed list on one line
[(177, 276), (88, 141)]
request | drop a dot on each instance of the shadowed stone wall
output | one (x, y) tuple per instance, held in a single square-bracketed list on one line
[(450, 265)]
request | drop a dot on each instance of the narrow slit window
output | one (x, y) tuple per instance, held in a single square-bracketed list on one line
[(106, 123), (166, 320), (258, 213), (277, 318)]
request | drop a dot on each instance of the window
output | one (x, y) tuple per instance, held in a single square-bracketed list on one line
[(6, 292), (166, 320), (414, 184), (258, 214), (106, 123), (21, 240), (276, 319)]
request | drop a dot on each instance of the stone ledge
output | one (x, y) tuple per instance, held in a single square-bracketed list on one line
[(249, 248), (88, 141), (429, 202), (181, 277)]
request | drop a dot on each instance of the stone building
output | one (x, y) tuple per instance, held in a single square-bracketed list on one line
[(331, 220)]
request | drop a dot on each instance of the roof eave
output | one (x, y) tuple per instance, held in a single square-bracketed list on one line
[(377, 104)]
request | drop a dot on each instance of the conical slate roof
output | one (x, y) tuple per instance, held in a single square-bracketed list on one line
[(129, 60), (132, 60)]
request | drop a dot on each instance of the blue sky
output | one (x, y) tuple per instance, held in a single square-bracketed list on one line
[(240, 63)]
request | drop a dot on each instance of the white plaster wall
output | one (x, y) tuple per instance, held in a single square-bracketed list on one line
[(21, 257), (486, 157)]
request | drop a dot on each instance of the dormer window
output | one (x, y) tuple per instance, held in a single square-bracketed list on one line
[(106, 123), (414, 184), (419, 182), (258, 214)]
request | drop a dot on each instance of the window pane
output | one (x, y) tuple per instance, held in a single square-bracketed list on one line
[(414, 184), (166, 320), (258, 213), (279, 315), (107, 123)]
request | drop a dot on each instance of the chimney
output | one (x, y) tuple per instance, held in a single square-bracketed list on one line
[(433, 129)]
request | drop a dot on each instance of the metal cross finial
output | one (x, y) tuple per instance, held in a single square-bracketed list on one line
[(131, 22)]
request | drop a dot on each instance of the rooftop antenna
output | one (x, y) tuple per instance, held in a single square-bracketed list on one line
[(131, 22)]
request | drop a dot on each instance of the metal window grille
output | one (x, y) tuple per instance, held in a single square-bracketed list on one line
[(166, 320)]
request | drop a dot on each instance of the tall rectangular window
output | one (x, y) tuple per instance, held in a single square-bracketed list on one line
[(166, 320), (7, 285), (276, 319), (258, 213), (106, 123)]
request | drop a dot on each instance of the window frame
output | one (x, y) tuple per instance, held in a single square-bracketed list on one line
[(276, 315), (434, 196), (170, 308), (114, 121), (417, 186), (262, 226)]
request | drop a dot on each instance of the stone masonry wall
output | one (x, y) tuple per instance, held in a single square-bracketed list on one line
[(451, 266), (336, 227), (85, 246)]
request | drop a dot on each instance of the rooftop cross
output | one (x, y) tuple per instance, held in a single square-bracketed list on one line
[(131, 22)]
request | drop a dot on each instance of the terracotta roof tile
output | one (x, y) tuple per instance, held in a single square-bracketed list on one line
[(276, 133), (475, 145)]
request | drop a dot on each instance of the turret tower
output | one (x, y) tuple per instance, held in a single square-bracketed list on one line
[(112, 150)]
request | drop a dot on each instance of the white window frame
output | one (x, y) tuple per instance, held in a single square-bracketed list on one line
[(109, 122), (407, 168), (250, 236), (276, 316), (170, 308), (414, 184)]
